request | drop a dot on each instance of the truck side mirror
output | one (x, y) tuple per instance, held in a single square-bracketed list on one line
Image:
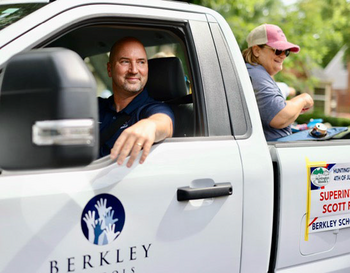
[(48, 111)]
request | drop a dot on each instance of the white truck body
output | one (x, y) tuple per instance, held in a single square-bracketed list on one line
[(259, 227)]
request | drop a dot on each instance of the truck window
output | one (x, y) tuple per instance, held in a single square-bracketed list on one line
[(236, 103), (162, 45)]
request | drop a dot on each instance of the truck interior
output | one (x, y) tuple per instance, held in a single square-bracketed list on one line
[(169, 77)]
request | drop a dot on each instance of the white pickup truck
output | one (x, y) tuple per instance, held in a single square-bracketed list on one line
[(216, 197)]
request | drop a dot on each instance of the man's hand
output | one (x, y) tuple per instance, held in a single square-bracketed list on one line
[(140, 136)]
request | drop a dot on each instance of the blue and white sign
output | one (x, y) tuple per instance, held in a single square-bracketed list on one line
[(103, 219)]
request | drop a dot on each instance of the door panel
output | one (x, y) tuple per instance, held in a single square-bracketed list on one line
[(108, 218), (43, 214), (293, 247)]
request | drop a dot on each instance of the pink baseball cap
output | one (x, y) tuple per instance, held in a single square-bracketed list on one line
[(272, 36)]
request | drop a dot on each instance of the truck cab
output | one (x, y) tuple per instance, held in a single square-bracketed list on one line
[(216, 197)]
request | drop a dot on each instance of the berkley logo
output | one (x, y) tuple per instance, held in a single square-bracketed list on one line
[(102, 222), (103, 219), (112, 261)]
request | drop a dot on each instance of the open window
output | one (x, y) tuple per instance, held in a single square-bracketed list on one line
[(169, 69)]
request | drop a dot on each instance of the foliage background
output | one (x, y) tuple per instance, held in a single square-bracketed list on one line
[(320, 27)]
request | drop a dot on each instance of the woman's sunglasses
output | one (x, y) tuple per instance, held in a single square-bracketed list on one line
[(279, 52)]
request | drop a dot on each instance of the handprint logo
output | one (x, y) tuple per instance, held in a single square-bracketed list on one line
[(103, 219)]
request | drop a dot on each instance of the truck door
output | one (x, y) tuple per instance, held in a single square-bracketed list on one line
[(313, 215), (110, 218)]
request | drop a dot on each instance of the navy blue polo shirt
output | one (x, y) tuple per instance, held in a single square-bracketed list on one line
[(142, 106)]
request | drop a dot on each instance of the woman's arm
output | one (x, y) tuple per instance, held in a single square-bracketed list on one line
[(292, 110)]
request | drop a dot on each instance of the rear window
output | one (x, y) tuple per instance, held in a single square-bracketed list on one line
[(13, 12)]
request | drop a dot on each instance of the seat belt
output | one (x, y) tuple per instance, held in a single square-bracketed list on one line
[(182, 100)]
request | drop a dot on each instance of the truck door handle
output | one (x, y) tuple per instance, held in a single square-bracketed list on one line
[(217, 190)]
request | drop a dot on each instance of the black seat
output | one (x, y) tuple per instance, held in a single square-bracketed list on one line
[(166, 82)]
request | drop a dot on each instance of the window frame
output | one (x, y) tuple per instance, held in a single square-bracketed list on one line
[(183, 32)]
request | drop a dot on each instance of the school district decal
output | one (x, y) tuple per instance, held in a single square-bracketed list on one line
[(328, 197), (103, 219)]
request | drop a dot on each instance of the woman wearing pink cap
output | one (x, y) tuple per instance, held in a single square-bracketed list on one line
[(267, 49)]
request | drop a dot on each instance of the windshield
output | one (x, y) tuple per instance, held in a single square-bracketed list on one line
[(13, 12)]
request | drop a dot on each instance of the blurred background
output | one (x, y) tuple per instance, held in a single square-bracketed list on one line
[(322, 30), (320, 27)]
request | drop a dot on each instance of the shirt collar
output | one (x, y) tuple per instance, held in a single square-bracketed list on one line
[(138, 101)]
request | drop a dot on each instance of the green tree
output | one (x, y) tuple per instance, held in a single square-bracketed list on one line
[(243, 15), (319, 27)]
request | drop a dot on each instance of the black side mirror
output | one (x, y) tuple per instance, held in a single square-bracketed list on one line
[(48, 111)]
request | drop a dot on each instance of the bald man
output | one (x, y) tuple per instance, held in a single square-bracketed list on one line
[(142, 120)]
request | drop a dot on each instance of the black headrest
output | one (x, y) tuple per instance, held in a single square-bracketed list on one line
[(166, 79)]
